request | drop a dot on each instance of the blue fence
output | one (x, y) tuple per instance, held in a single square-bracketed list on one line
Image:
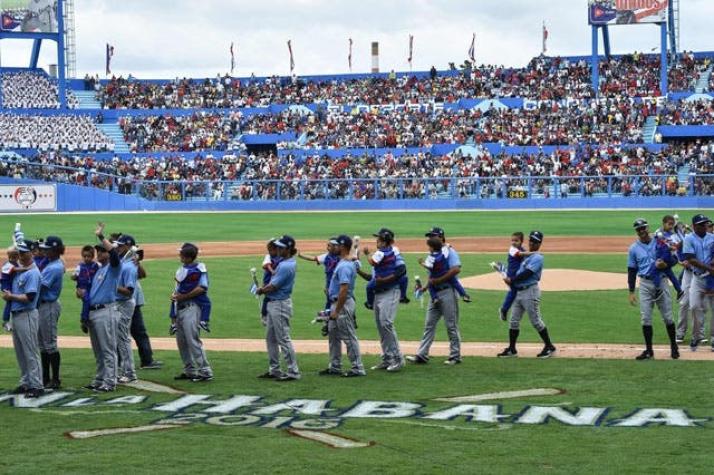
[(114, 193)]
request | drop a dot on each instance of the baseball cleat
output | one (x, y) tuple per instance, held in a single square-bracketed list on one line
[(547, 352), (645, 355), (34, 393), (103, 389), (126, 380), (508, 353), (329, 372), (452, 362), (675, 353), (679, 340), (90, 386), (20, 390), (354, 374), (382, 365), (703, 340), (694, 344), (183, 376), (497, 266), (172, 329), (269, 375), (287, 378), (502, 314), (153, 365), (205, 327), (466, 298), (393, 368), (416, 359)]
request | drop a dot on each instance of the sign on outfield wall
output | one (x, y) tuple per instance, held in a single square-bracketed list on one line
[(23, 198), (627, 12)]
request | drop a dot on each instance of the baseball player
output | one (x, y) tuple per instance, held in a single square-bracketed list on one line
[(697, 250), (125, 304), (138, 329), (341, 325), (191, 288), (685, 278), (641, 261), (528, 299), (442, 277), (278, 292), (24, 296), (102, 320), (49, 310), (387, 272), (403, 283), (438, 261)]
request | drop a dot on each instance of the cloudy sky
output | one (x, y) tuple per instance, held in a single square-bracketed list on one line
[(169, 38)]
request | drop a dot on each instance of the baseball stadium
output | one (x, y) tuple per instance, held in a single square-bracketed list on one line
[(486, 250)]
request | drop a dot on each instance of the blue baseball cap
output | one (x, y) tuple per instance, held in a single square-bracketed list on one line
[(344, 241), (285, 242), (536, 236), (25, 245), (700, 219), (52, 242), (125, 240), (385, 234), (435, 231), (640, 223)]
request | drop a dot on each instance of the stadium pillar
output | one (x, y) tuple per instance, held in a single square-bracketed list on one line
[(62, 73), (595, 63), (663, 81), (606, 40), (35, 56)]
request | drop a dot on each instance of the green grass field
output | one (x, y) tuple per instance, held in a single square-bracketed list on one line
[(76, 229), (35, 439)]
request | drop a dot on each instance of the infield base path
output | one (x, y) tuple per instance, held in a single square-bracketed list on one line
[(439, 348)]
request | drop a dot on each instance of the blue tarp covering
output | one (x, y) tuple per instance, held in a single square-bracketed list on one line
[(671, 131)]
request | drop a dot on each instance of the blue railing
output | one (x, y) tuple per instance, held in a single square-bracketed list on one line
[(360, 189)]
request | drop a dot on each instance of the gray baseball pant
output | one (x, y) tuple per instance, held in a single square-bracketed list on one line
[(527, 301), (447, 307), (700, 303), (278, 339), (189, 344), (103, 336), (125, 310), (684, 307), (24, 339), (385, 312), (343, 329), (649, 296), (49, 313)]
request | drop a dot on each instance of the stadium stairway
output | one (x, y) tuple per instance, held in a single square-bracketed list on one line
[(648, 132), (113, 131), (87, 100), (703, 81), (683, 174)]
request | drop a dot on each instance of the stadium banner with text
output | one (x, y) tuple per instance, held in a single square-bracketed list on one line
[(28, 16), (627, 12), (24, 198)]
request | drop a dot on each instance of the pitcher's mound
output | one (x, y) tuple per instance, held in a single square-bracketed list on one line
[(556, 280)]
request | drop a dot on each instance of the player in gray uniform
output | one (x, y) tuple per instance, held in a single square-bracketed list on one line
[(280, 310), (698, 249), (447, 307), (49, 309), (528, 299), (642, 261), (23, 312), (341, 325), (125, 308)]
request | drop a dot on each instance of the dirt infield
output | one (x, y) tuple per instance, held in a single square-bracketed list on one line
[(440, 348), (558, 244), (556, 280)]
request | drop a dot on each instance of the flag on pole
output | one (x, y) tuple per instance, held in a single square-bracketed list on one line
[(472, 49), (411, 50), (292, 59), (349, 55), (233, 59), (545, 39), (110, 53)]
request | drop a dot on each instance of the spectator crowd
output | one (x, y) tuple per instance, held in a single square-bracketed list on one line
[(32, 90), (52, 132)]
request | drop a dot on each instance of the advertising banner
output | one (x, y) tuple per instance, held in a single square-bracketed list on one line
[(627, 12), (24, 198)]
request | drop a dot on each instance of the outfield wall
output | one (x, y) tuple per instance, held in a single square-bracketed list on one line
[(72, 198)]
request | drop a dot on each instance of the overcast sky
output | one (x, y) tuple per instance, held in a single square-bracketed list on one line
[(169, 38)]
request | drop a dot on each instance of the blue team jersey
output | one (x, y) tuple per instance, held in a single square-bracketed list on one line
[(103, 290), (283, 280), (27, 282), (533, 263), (514, 261), (700, 248), (329, 261), (344, 273), (127, 278), (52, 276), (642, 257)]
